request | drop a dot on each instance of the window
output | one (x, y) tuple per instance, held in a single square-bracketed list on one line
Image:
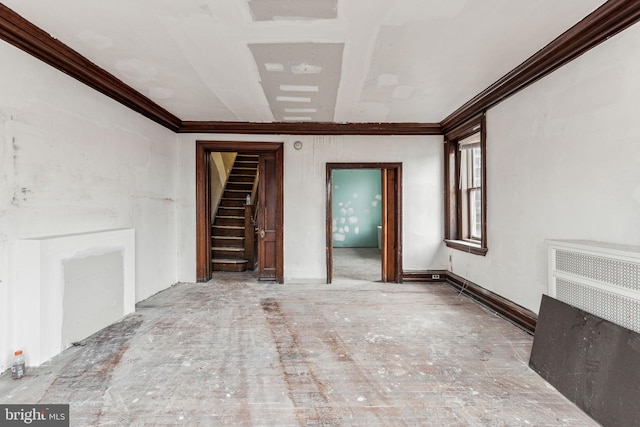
[(470, 183), (466, 189)]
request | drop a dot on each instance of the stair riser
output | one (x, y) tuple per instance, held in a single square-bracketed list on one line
[(218, 231), (246, 163), (236, 195), (244, 186), (235, 268), (235, 222), (221, 253), (228, 211), (232, 203), (221, 242), (242, 178), (247, 157), (243, 170)]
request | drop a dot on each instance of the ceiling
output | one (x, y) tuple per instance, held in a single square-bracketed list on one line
[(343, 61)]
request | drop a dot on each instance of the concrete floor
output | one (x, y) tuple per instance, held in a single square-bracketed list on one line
[(355, 353)]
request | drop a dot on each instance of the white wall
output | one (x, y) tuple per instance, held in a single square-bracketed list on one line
[(563, 163), (73, 160), (304, 197)]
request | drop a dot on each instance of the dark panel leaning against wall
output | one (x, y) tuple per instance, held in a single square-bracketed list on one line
[(591, 361)]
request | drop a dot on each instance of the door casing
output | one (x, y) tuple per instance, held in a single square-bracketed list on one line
[(391, 217), (203, 200)]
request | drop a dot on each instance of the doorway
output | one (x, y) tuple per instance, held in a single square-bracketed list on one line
[(390, 197), (269, 207)]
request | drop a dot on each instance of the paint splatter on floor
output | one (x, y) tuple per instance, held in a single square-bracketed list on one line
[(241, 353)]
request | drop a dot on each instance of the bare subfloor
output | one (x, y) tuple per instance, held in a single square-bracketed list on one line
[(235, 352), (357, 264)]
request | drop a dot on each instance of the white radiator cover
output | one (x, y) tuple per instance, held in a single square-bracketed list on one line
[(600, 278)]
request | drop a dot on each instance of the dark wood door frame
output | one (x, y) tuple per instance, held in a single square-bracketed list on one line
[(203, 200), (391, 217)]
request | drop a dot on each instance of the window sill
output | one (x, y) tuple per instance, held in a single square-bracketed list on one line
[(469, 247)]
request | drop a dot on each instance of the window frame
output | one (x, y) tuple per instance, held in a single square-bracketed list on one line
[(454, 192)]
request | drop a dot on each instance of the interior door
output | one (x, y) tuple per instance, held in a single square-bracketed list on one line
[(267, 218)]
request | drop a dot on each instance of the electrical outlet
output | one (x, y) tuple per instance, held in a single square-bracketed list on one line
[(435, 276)]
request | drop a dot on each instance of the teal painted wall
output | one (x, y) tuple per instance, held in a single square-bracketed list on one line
[(357, 207)]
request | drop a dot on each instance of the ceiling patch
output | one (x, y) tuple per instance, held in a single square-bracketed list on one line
[(137, 70), (299, 88), (280, 10), (402, 92), (387, 80), (310, 75), (300, 110), (160, 93), (274, 68), (94, 39), (293, 99), (297, 118), (305, 68)]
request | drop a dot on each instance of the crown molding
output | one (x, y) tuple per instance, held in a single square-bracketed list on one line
[(310, 128), (609, 19), (24, 35)]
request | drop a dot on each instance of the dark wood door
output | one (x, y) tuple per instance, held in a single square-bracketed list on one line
[(267, 218)]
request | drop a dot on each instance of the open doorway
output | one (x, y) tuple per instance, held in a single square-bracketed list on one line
[(364, 221), (356, 224), (263, 200)]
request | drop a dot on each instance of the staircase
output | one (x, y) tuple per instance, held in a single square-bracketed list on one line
[(228, 228)]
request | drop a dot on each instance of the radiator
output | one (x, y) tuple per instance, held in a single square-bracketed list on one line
[(600, 278)]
